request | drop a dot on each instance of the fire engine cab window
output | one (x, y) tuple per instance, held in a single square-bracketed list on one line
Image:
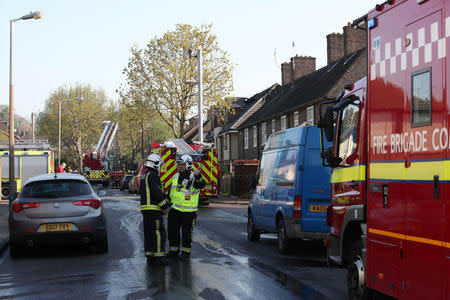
[(348, 130), (421, 98)]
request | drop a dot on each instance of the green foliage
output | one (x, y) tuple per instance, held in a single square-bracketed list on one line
[(156, 76), (81, 121), (19, 121)]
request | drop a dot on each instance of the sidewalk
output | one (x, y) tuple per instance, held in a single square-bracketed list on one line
[(230, 200), (4, 230)]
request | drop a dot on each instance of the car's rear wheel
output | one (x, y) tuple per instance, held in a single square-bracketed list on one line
[(101, 245), (253, 234), (283, 241)]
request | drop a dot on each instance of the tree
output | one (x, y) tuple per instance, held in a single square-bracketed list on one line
[(132, 141), (157, 76), (81, 121)]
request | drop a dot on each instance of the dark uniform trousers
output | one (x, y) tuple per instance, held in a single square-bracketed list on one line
[(180, 220), (154, 234)]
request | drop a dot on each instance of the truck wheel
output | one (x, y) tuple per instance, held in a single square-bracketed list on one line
[(283, 241), (101, 246), (356, 273), (253, 234)]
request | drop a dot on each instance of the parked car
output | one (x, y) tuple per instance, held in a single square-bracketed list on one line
[(293, 189), (57, 208), (133, 185), (125, 181)]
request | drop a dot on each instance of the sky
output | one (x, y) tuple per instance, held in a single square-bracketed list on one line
[(89, 41)]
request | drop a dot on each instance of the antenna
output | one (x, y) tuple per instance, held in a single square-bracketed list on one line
[(293, 48), (275, 58)]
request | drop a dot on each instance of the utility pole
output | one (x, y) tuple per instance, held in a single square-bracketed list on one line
[(32, 126), (200, 91)]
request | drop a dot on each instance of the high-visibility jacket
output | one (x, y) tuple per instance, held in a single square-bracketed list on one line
[(152, 197), (184, 195)]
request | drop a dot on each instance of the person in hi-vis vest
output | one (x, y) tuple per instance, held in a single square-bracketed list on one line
[(184, 195), (154, 204)]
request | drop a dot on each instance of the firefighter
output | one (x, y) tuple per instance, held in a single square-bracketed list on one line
[(154, 204), (184, 194)]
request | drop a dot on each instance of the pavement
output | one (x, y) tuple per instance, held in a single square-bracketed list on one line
[(4, 230), (4, 212)]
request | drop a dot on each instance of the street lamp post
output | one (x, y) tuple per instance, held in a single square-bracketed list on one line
[(59, 125), (200, 92), (12, 180)]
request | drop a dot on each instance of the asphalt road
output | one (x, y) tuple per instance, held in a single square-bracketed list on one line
[(223, 265)]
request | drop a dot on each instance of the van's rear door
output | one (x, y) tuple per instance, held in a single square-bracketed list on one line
[(315, 186)]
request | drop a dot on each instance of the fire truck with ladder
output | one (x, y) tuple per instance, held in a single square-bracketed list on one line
[(390, 208), (205, 159), (102, 165)]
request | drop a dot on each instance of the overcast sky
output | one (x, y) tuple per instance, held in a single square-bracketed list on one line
[(88, 41)]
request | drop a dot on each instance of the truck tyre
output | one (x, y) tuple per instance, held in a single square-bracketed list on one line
[(101, 245), (253, 234), (356, 273), (283, 241)]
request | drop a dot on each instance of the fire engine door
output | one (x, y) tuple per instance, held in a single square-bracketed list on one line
[(423, 264)]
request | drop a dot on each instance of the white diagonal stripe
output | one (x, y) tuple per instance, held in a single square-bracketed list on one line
[(421, 37), (434, 32), (393, 67), (403, 61), (382, 68), (398, 46), (427, 53), (373, 69), (387, 50)]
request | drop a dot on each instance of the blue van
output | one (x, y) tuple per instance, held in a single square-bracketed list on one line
[(293, 188)]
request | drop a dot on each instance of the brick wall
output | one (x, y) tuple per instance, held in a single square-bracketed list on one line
[(298, 66), (354, 39), (286, 73)]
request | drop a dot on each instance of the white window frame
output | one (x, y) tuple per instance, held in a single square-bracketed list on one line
[(273, 125), (246, 138), (310, 115), (255, 136), (283, 122), (296, 120), (263, 133)]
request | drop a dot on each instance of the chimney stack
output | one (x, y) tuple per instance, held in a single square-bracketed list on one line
[(299, 66), (354, 39), (335, 47)]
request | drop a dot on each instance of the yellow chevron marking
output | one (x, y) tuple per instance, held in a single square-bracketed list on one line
[(410, 238), (169, 172)]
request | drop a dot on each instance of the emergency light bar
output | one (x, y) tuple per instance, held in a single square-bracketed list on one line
[(372, 23)]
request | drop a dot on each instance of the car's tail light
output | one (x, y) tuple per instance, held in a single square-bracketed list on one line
[(18, 206), (297, 206), (94, 203)]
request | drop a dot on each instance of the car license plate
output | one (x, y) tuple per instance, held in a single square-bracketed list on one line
[(57, 227), (318, 208)]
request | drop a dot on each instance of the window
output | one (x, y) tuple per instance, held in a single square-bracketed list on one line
[(246, 138), (273, 125), (421, 98), (255, 136), (296, 119), (283, 122), (310, 115), (348, 130), (263, 133), (56, 189)]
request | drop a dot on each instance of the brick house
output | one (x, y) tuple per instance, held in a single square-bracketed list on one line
[(304, 88)]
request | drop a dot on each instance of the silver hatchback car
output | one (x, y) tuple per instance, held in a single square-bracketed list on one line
[(57, 208)]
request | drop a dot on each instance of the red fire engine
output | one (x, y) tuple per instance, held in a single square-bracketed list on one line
[(390, 210)]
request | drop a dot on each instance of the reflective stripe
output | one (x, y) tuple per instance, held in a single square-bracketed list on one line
[(347, 174), (162, 202), (171, 248), (150, 207), (158, 238), (159, 254), (184, 249), (148, 253), (147, 189), (182, 207)]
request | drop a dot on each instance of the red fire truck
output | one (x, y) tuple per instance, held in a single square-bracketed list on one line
[(390, 210)]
